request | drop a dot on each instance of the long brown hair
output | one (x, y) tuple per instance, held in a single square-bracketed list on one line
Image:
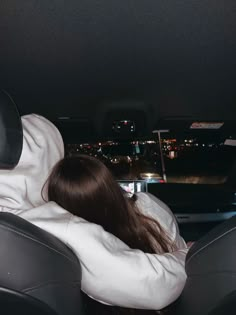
[(85, 187)]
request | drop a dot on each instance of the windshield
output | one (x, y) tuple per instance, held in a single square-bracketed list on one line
[(197, 159), (139, 159), (187, 158)]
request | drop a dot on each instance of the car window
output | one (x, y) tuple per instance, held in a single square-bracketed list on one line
[(134, 160), (187, 157), (197, 158)]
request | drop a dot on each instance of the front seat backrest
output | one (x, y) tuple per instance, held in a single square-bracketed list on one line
[(226, 306), (38, 264), (14, 302), (10, 132), (211, 270)]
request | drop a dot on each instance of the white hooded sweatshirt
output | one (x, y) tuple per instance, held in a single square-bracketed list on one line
[(111, 272)]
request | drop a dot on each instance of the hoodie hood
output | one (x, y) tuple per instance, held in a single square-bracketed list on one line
[(20, 188)]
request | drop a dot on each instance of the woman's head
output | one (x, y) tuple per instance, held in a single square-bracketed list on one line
[(85, 187)]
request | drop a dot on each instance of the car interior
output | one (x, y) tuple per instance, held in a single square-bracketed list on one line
[(148, 87)]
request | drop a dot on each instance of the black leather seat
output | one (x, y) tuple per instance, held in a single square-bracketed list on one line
[(38, 264), (11, 140), (14, 302), (226, 306), (33, 262), (211, 270)]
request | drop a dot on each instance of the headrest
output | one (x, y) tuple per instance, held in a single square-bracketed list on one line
[(11, 134)]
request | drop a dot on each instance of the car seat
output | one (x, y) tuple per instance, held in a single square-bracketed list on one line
[(211, 274), (37, 270), (14, 302)]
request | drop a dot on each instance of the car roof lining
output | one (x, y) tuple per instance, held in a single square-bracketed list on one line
[(63, 58)]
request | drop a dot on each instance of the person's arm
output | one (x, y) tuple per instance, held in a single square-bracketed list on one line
[(154, 207), (113, 273)]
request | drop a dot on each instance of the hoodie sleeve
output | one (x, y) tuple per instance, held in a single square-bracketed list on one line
[(155, 208), (112, 273)]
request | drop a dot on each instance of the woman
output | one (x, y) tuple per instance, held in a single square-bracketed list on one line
[(85, 187)]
